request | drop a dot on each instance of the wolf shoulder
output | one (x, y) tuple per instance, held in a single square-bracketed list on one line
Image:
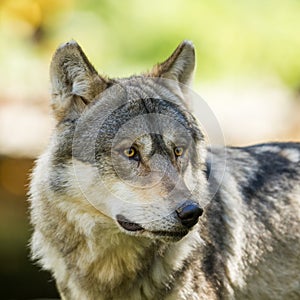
[(265, 177), (257, 203)]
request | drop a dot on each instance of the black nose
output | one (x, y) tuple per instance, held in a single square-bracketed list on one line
[(189, 214)]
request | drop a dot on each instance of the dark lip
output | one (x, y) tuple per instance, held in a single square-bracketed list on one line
[(177, 234), (127, 224), (133, 227)]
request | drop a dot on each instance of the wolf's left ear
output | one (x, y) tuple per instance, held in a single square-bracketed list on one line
[(179, 66), (75, 82)]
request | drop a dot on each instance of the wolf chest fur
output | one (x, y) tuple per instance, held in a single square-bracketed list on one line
[(127, 201)]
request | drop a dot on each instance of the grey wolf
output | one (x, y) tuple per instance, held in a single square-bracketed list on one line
[(127, 201)]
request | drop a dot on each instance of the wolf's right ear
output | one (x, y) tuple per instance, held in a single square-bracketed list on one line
[(179, 69), (179, 66), (75, 82)]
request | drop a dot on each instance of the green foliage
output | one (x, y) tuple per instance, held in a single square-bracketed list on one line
[(246, 38), (233, 38)]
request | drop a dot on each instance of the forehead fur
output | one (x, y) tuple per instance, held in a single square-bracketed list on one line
[(145, 116)]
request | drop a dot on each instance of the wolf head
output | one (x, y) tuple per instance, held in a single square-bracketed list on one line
[(129, 147)]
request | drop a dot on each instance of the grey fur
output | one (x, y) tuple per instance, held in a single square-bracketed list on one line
[(108, 227)]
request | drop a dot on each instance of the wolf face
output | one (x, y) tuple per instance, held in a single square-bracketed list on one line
[(137, 153)]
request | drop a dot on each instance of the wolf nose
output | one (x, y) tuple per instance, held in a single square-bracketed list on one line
[(189, 214)]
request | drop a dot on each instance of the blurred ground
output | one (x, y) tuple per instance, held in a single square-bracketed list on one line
[(248, 72), (20, 279)]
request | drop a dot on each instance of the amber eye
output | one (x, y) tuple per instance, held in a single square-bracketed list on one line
[(130, 152), (178, 151)]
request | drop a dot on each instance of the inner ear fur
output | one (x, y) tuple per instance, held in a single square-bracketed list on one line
[(179, 66), (75, 82)]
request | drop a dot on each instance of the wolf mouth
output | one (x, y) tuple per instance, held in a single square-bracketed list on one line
[(127, 224), (176, 234), (131, 226)]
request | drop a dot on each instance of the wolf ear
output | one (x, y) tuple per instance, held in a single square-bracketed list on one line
[(179, 66), (75, 82)]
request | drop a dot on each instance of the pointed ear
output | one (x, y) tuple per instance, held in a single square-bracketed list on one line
[(75, 82), (179, 66)]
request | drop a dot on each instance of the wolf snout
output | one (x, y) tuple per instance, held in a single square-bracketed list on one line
[(189, 214)]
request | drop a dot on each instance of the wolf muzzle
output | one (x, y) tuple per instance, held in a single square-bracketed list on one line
[(188, 214)]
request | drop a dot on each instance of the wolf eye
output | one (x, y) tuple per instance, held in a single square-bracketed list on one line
[(130, 152), (178, 151)]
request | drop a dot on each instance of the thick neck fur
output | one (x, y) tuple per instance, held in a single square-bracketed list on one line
[(88, 254), (100, 260), (131, 266)]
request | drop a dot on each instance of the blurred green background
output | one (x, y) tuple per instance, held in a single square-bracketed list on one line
[(248, 71)]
